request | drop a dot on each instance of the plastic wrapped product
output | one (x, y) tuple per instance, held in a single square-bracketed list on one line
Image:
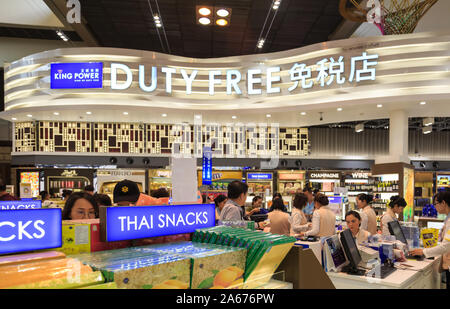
[(30, 257)]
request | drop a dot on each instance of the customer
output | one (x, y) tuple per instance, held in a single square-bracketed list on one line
[(45, 199), (298, 220), (89, 189), (309, 208), (80, 205), (126, 193), (279, 219), (368, 215), (442, 203), (353, 220), (220, 201), (395, 208), (237, 195), (65, 194), (324, 220), (277, 196), (102, 199), (257, 208), (5, 196), (162, 194)]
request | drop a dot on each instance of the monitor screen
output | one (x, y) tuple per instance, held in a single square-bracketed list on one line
[(350, 248), (396, 230), (336, 251)]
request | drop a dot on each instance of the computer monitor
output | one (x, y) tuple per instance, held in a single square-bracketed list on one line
[(351, 251), (337, 255), (396, 230)]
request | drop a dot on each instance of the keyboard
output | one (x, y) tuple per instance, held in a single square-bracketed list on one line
[(382, 272)]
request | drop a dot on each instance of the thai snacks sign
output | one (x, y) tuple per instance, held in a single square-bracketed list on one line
[(124, 223), (11, 205)]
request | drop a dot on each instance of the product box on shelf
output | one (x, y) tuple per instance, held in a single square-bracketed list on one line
[(15, 259), (81, 236)]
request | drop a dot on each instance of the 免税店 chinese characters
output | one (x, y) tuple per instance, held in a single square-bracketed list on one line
[(328, 71)]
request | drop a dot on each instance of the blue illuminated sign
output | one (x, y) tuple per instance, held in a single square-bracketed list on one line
[(207, 166), (259, 176), (23, 204), (76, 75), (123, 223), (30, 229), (334, 199)]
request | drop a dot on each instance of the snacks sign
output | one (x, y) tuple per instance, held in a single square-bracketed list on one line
[(11, 205), (30, 229), (124, 223)]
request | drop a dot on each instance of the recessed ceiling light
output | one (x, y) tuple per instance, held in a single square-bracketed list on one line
[(268, 115), (29, 115), (222, 22), (89, 113), (205, 11), (222, 13), (13, 118), (303, 113), (379, 105), (423, 103), (339, 109), (234, 117), (156, 17), (56, 113), (275, 7), (125, 113), (164, 115), (204, 21), (198, 116)]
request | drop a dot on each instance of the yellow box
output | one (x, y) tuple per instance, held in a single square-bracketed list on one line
[(76, 238)]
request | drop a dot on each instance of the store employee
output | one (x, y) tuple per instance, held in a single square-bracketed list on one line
[(442, 203), (353, 220), (368, 215), (324, 220), (395, 208)]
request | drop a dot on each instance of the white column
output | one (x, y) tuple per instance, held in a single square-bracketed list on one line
[(398, 139)]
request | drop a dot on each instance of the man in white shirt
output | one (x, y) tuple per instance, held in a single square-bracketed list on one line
[(237, 195)]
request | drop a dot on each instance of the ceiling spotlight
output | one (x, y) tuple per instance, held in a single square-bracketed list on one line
[(427, 130), (198, 116), (303, 113), (339, 109), (359, 127), (89, 113), (268, 115), (164, 115), (435, 165), (234, 117), (29, 115), (222, 22), (56, 113), (13, 118), (222, 13), (379, 105), (423, 103), (62, 35), (125, 113), (428, 121), (156, 17), (205, 11), (275, 7), (260, 43), (204, 21), (423, 164)]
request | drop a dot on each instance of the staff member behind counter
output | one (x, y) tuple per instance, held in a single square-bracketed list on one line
[(395, 208), (298, 220), (324, 220), (442, 203), (353, 220), (368, 215)]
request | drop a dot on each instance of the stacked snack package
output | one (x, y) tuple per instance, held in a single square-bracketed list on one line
[(179, 265), (51, 270), (265, 251)]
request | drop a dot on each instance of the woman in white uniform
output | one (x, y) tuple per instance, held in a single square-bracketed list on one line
[(442, 203), (353, 220), (395, 208), (298, 220), (368, 215), (324, 220)]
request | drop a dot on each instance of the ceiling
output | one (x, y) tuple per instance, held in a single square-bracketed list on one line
[(129, 24)]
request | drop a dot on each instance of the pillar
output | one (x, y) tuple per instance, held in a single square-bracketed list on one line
[(398, 139)]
